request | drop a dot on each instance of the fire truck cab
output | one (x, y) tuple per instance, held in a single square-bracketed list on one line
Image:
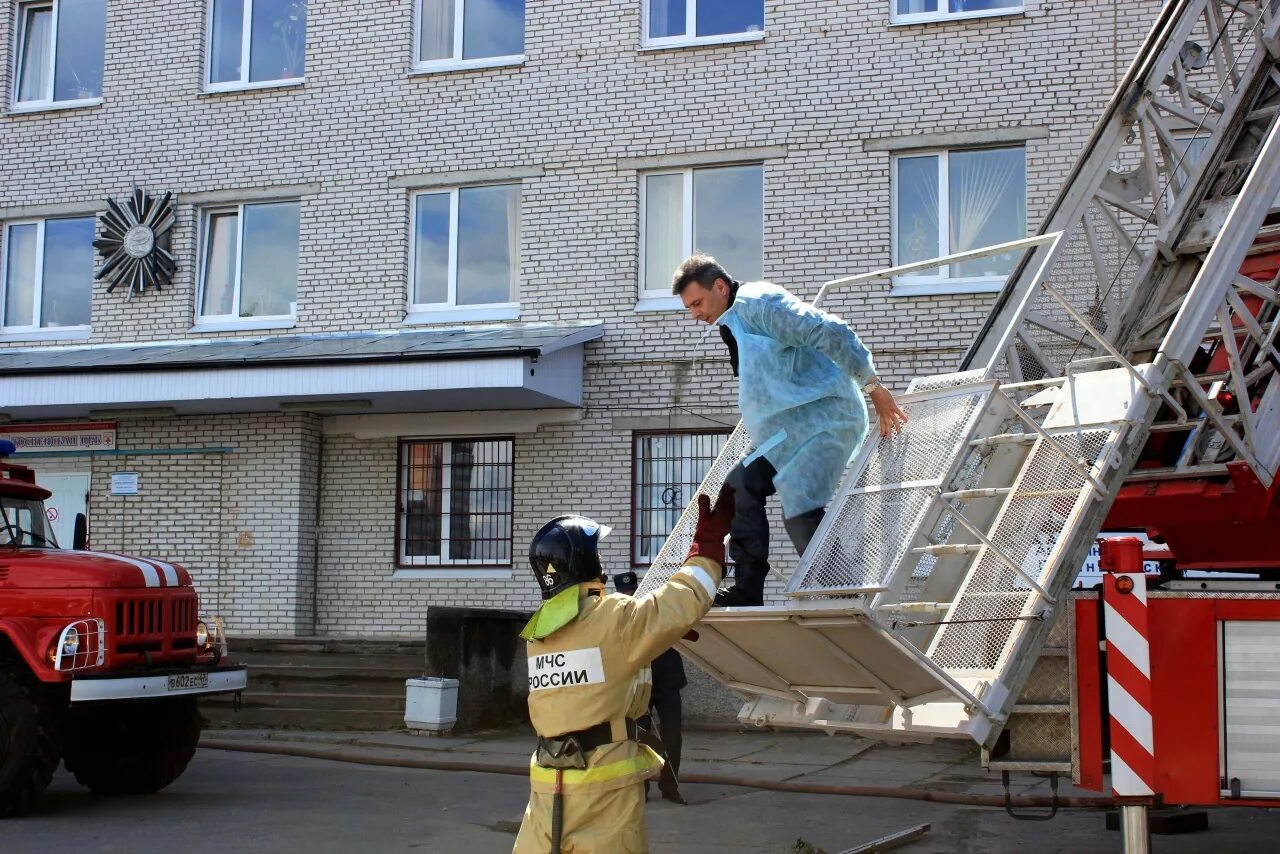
[(102, 658)]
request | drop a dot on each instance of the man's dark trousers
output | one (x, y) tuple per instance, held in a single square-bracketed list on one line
[(749, 533)]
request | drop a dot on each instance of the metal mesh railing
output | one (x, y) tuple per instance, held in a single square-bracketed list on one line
[(941, 381), (867, 538), (671, 558), (872, 523), (1029, 533), (926, 445)]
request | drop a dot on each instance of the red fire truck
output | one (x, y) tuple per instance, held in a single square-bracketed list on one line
[(102, 658)]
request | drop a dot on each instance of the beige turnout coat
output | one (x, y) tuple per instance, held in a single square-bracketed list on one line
[(593, 669)]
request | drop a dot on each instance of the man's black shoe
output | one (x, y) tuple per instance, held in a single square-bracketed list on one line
[(674, 796), (736, 597)]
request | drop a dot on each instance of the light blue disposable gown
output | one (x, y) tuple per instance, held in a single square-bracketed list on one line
[(800, 374)]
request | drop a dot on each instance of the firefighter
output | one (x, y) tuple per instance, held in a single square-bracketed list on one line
[(588, 657)]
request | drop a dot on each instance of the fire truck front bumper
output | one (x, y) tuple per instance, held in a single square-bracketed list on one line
[(154, 686)]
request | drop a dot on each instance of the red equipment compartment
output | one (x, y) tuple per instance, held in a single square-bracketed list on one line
[(1186, 690)]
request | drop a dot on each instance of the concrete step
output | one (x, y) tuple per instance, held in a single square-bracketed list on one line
[(322, 702), (287, 658), (370, 720), (325, 652), (337, 675), (347, 683), (340, 646)]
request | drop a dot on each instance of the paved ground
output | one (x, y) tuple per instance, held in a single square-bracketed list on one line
[(232, 801)]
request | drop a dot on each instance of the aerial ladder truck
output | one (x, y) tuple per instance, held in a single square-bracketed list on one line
[(1127, 377)]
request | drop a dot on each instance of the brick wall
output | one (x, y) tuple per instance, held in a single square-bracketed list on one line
[(827, 80), (231, 498)]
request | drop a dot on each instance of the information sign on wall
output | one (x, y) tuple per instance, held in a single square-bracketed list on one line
[(124, 483), (42, 438)]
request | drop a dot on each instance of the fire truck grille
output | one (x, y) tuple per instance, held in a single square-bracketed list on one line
[(139, 617), (154, 624), (184, 616)]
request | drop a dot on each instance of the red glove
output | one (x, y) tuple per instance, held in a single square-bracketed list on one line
[(713, 526)]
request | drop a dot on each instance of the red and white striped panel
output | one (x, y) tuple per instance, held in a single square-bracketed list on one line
[(1129, 686)]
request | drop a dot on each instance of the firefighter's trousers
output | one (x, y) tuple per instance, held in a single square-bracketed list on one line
[(595, 822)]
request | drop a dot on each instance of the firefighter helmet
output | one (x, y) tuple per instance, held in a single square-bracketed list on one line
[(565, 552)]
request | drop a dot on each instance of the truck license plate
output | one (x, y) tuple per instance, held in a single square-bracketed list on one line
[(185, 681)]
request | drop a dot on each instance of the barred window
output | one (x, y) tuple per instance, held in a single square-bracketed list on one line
[(666, 471), (455, 502)]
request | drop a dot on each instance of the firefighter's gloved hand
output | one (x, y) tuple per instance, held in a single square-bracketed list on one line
[(713, 526)]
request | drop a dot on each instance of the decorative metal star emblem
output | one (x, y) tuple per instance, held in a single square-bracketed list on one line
[(134, 243)]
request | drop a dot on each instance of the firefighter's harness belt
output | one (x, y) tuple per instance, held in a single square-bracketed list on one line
[(569, 751)]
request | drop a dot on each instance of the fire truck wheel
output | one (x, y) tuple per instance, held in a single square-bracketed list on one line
[(133, 749), (30, 741)]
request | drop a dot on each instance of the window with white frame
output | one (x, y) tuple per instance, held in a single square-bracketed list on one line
[(718, 210), (684, 21), (48, 274), (667, 469), (462, 32), (455, 500), (915, 11), (60, 47), (256, 43), (465, 248), (249, 262), (946, 202)]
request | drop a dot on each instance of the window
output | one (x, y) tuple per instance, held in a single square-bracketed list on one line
[(455, 502), (256, 43), (60, 50), (249, 263), (672, 22), (461, 33), (48, 274), (950, 201), (719, 211), (465, 248), (915, 11), (667, 469)]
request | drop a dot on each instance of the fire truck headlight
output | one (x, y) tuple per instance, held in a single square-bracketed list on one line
[(202, 635), (71, 642)]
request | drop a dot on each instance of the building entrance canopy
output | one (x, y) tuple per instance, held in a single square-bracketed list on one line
[(513, 367)]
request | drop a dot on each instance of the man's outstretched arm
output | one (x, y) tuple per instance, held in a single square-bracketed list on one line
[(800, 324)]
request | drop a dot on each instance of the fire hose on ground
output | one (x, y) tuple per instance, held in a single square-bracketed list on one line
[(522, 770)]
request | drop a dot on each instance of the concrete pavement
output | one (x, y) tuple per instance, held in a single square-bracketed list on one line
[(793, 757), (235, 801), (722, 817)]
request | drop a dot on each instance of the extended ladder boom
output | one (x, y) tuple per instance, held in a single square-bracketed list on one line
[(924, 599)]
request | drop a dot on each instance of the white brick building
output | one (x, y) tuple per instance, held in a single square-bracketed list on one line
[(382, 168)]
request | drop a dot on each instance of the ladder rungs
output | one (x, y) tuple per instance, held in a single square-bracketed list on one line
[(948, 549), (999, 594), (918, 607), (987, 492), (1004, 439)]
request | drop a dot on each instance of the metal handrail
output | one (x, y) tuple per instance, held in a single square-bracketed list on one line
[(956, 257)]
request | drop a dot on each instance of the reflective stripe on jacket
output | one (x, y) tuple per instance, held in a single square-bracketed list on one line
[(595, 669)]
